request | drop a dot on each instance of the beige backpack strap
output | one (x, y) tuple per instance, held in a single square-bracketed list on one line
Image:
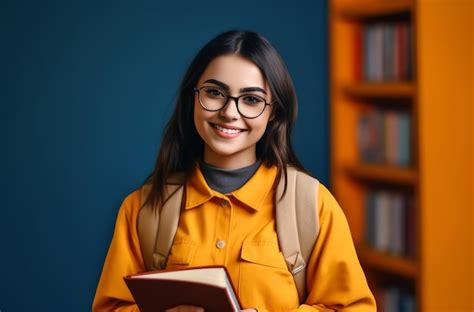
[(157, 227), (297, 223)]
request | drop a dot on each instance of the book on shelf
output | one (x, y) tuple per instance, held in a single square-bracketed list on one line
[(382, 51), (394, 298), (358, 57), (397, 215), (404, 150), (389, 222), (208, 287), (383, 228), (371, 137), (384, 137), (392, 139)]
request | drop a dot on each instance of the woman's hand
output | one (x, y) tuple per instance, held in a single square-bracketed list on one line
[(187, 308)]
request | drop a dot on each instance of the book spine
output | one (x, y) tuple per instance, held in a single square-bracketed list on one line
[(358, 52), (393, 298), (363, 137), (368, 59), (410, 234), (388, 50), (398, 222), (403, 51), (370, 219), (380, 137), (404, 139), (378, 52), (383, 222), (390, 137), (409, 52), (397, 50)]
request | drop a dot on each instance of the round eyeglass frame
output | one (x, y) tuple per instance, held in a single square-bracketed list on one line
[(228, 97)]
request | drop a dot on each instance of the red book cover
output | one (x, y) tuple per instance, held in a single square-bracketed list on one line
[(358, 53), (206, 287)]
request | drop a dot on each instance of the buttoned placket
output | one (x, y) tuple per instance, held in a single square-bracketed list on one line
[(223, 223)]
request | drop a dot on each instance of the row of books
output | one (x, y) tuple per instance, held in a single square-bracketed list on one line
[(390, 222), (383, 51), (384, 137), (395, 299)]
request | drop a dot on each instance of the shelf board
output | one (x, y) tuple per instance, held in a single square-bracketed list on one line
[(393, 90), (370, 9), (385, 173), (388, 263)]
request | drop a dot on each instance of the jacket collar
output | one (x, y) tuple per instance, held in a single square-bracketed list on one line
[(251, 194)]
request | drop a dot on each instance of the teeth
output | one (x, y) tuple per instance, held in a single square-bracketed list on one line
[(225, 130)]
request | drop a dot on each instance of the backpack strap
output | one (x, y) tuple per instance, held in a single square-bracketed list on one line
[(157, 226), (297, 223)]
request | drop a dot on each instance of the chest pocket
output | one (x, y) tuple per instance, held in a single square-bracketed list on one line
[(264, 280), (265, 253), (181, 255)]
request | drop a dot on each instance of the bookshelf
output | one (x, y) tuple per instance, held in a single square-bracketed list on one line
[(401, 146), (394, 90)]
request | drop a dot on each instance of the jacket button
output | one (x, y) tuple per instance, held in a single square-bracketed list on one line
[(220, 244), (225, 203)]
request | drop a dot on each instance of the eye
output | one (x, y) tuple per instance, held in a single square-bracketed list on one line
[(252, 99), (214, 92)]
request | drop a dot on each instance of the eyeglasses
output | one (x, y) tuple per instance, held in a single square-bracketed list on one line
[(214, 99)]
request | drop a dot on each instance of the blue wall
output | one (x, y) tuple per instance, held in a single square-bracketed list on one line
[(86, 89)]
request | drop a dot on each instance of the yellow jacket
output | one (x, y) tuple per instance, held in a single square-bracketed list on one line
[(237, 230)]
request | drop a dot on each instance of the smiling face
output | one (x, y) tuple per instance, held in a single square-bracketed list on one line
[(230, 139)]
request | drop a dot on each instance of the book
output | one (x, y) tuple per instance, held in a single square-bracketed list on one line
[(405, 142), (394, 298), (370, 218), (386, 51), (383, 223), (397, 241), (358, 56), (208, 287)]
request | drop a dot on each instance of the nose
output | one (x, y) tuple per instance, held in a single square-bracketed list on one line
[(230, 111)]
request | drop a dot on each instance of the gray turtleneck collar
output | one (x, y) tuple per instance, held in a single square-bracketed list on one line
[(224, 180)]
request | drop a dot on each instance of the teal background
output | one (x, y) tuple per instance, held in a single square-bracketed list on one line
[(86, 89)]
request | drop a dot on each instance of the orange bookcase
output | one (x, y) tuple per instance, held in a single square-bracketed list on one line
[(437, 97)]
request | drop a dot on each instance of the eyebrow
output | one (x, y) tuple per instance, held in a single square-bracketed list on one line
[(226, 87)]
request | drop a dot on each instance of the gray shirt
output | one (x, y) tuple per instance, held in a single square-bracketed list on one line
[(224, 180)]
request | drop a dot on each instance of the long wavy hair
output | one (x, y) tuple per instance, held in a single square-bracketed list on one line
[(182, 146)]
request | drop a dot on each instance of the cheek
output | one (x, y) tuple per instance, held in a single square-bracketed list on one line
[(200, 120), (200, 115), (259, 126)]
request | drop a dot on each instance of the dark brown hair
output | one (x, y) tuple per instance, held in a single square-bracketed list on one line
[(182, 146)]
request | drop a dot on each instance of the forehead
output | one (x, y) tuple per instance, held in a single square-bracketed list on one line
[(235, 71)]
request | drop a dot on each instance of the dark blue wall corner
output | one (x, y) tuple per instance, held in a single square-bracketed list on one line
[(87, 87)]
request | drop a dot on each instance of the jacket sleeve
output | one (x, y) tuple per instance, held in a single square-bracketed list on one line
[(123, 258), (334, 277)]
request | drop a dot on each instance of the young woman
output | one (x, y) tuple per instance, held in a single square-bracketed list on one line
[(230, 135)]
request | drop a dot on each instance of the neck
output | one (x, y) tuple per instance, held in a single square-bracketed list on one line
[(228, 162)]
